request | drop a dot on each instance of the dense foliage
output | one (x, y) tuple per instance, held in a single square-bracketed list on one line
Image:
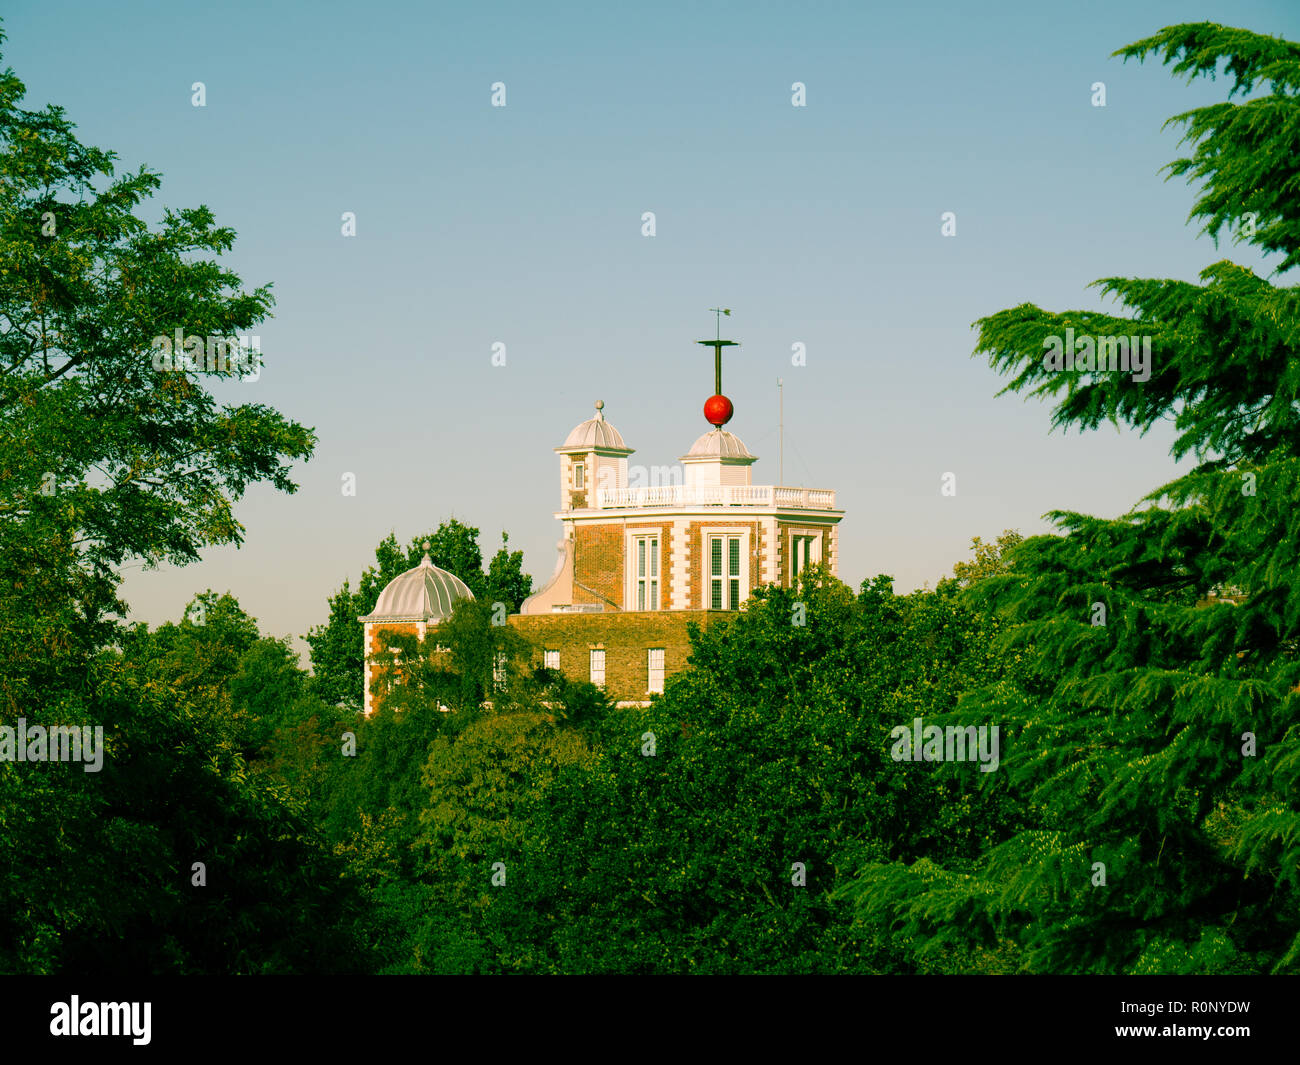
[(105, 459), (1143, 672), (1156, 733)]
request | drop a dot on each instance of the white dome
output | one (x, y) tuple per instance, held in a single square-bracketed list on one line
[(719, 444), (425, 593), (596, 434)]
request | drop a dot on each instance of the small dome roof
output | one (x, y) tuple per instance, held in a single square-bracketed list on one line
[(425, 593), (719, 444), (596, 434)]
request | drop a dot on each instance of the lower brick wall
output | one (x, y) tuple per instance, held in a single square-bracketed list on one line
[(625, 637)]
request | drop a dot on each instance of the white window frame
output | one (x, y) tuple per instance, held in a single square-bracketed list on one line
[(654, 671), (814, 552), (580, 475), (654, 583), (706, 565), (597, 654), (551, 659)]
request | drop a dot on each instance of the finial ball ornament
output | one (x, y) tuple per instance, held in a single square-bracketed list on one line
[(718, 410)]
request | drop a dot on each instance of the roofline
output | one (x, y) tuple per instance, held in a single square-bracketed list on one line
[(404, 617), (727, 460), (740, 512), (583, 449)]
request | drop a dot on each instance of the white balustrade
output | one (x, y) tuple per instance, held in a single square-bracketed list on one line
[(715, 495)]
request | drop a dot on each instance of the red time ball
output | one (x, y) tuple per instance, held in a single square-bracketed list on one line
[(718, 410)]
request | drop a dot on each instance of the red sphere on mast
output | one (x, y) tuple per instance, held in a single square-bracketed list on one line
[(718, 410)]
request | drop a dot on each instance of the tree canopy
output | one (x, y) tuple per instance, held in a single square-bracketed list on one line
[(1155, 735), (106, 458), (1141, 814)]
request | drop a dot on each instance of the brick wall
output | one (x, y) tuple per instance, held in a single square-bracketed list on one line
[(370, 639), (598, 564), (625, 638)]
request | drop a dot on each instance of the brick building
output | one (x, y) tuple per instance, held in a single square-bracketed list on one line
[(639, 561), (412, 602)]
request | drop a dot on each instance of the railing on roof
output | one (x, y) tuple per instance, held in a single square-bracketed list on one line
[(716, 495)]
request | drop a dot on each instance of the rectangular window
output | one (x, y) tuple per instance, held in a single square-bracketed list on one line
[(645, 570), (551, 659), (598, 668), (579, 476), (655, 669), (804, 552), (798, 555), (715, 573), (499, 670), (733, 571), (725, 577)]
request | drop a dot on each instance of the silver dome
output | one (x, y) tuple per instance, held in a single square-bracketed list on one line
[(719, 444), (596, 434), (425, 593)]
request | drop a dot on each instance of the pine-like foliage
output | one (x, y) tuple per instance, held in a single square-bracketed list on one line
[(1156, 740)]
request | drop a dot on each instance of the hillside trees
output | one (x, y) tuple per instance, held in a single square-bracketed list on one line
[(1158, 732), (103, 460), (665, 839), (99, 867)]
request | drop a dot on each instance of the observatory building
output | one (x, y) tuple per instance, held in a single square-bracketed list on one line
[(638, 563)]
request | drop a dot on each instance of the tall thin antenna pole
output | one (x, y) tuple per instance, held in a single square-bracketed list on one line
[(717, 346), (780, 391)]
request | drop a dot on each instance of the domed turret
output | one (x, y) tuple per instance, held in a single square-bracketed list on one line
[(596, 434), (718, 457), (593, 457), (719, 444), (425, 593)]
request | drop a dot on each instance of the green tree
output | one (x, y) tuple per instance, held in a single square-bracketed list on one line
[(505, 581), (427, 693), (483, 661), (97, 447), (337, 647), (990, 560), (479, 786), (1156, 737), (113, 891), (104, 458), (675, 849)]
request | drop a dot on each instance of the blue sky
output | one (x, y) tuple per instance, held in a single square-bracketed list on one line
[(521, 225)]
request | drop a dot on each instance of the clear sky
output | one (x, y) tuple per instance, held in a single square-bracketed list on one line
[(522, 225)]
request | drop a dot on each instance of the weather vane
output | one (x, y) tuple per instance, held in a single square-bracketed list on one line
[(718, 408)]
